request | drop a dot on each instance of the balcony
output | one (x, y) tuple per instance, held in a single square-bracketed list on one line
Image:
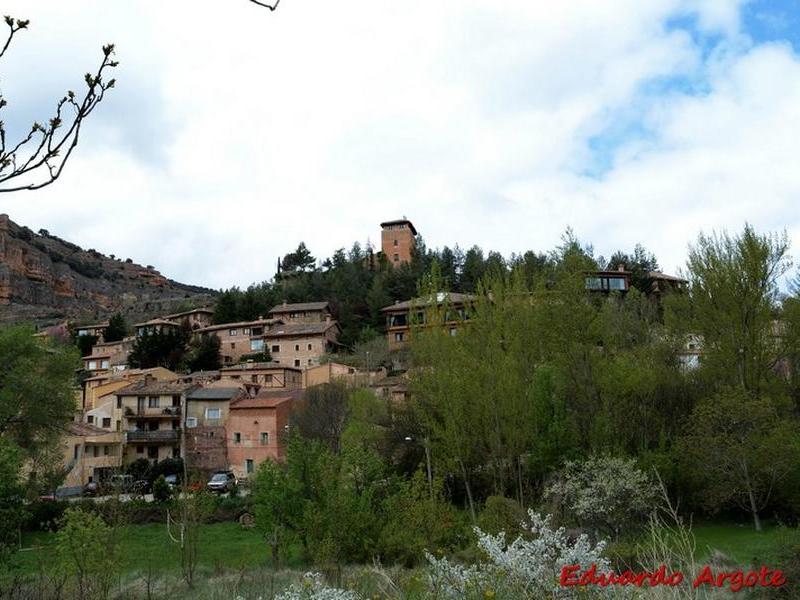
[(169, 412), (159, 436)]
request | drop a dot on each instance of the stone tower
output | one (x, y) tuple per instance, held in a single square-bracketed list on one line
[(398, 239)]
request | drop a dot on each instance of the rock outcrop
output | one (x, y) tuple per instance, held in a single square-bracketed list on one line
[(45, 279)]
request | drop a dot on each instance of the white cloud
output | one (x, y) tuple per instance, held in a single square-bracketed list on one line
[(236, 132)]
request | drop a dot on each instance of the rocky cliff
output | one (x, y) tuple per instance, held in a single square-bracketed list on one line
[(45, 279)]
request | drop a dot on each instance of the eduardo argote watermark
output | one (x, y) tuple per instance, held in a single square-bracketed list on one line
[(734, 581)]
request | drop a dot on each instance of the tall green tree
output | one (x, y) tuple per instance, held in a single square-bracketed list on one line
[(732, 304), (740, 449), (117, 328)]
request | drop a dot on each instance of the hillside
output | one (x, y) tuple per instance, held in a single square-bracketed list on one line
[(45, 279)]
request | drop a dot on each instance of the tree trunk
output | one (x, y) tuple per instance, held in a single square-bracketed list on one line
[(469, 492), (754, 510), (428, 466)]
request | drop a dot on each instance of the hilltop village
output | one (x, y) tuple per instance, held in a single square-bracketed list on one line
[(234, 417)]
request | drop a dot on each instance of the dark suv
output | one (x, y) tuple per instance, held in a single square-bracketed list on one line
[(221, 482)]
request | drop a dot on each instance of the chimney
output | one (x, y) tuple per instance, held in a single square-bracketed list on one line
[(285, 303), (260, 317), (621, 267), (327, 319)]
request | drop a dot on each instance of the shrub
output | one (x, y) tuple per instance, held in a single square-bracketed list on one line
[(525, 568), (161, 490), (610, 495), (44, 516), (502, 514)]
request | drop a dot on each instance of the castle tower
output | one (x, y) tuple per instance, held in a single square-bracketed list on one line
[(398, 239)]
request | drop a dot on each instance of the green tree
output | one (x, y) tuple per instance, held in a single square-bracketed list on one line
[(37, 388), (165, 348), (203, 353), (87, 551), (322, 414), (732, 302), (117, 328), (277, 507), (12, 498), (739, 449), (299, 260)]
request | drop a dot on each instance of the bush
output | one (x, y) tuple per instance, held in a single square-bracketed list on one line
[(502, 514), (161, 490), (44, 516), (787, 559)]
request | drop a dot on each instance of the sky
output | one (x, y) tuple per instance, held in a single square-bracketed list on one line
[(234, 132)]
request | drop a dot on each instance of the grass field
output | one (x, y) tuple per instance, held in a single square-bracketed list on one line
[(148, 547), (226, 546)]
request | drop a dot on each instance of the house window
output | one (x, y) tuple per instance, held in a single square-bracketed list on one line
[(264, 438), (104, 364), (256, 345), (309, 361), (296, 362), (453, 332), (256, 331), (90, 419), (213, 413), (276, 348), (107, 422), (249, 466), (119, 425), (297, 347), (254, 378), (233, 345), (106, 451), (268, 378), (396, 257), (246, 331), (233, 332), (152, 452), (139, 449), (237, 437), (92, 365), (95, 451), (309, 346), (399, 336), (191, 421), (153, 401), (176, 401), (119, 402)]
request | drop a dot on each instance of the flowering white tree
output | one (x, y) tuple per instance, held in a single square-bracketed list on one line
[(605, 493), (528, 567), (313, 588)]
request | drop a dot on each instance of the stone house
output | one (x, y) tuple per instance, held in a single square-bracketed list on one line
[(302, 312)]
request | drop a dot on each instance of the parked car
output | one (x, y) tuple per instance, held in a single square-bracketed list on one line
[(119, 484), (172, 481), (221, 482), (91, 489)]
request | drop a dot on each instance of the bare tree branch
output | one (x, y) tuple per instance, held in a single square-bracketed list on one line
[(38, 159), (264, 4)]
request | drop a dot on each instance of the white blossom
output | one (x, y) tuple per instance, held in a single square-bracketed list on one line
[(313, 588)]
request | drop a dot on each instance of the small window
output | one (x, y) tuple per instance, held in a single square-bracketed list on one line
[(104, 364), (152, 452), (119, 402), (264, 438), (233, 332), (268, 378), (276, 348), (246, 331), (309, 346), (139, 449), (256, 345), (399, 336), (237, 437), (119, 425), (106, 451), (92, 365), (254, 378), (233, 345), (153, 402), (249, 466), (396, 257), (453, 332), (213, 413), (191, 421), (107, 422), (296, 362), (297, 347), (395, 243), (95, 451), (90, 419)]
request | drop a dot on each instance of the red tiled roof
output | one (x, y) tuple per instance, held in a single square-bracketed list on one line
[(267, 399)]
